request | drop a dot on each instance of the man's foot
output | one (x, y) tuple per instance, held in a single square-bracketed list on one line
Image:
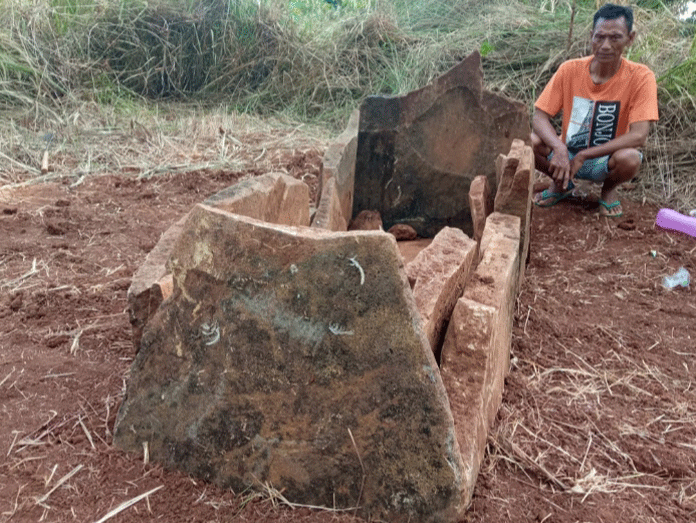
[(610, 210), (551, 196)]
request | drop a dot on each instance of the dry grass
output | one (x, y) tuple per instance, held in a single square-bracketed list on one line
[(165, 138)]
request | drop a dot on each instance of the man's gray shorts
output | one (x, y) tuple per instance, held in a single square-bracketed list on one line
[(595, 169)]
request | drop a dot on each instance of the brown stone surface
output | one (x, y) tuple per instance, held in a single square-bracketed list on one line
[(438, 276), (339, 164), (515, 173), (410, 249), (366, 221), (273, 198), (329, 215), (294, 357), (418, 153), (476, 350), (403, 232), (480, 204), (146, 292)]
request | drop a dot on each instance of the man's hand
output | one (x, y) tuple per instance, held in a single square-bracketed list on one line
[(561, 169)]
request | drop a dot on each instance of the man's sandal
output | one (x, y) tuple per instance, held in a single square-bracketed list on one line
[(553, 197), (606, 208)]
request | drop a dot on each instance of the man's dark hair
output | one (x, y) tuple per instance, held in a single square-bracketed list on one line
[(612, 12)]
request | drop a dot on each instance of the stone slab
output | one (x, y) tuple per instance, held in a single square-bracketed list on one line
[(146, 291), (476, 351), (329, 215), (418, 153), (339, 164), (272, 197), (295, 357), (480, 204), (438, 275), (515, 173)]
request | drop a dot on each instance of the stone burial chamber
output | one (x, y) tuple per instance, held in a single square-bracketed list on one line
[(341, 367)]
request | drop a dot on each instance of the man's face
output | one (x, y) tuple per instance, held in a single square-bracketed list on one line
[(610, 38)]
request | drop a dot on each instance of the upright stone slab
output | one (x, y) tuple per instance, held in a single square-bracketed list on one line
[(329, 215), (338, 164), (147, 289), (476, 352), (515, 173), (273, 198), (438, 275), (480, 204), (418, 153), (294, 357)]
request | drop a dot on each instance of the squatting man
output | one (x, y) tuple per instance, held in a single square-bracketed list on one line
[(607, 103)]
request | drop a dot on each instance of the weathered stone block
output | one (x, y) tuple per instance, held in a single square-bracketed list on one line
[(515, 174), (146, 291), (418, 153), (480, 204), (273, 198), (329, 215), (339, 164), (366, 221), (295, 357), (438, 275), (403, 232), (476, 350)]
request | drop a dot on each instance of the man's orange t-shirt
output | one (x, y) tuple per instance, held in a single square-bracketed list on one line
[(594, 114)]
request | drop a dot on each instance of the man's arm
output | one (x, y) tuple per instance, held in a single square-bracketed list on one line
[(559, 166), (636, 137)]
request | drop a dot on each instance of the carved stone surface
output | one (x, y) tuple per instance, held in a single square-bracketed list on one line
[(294, 357), (418, 153), (403, 232), (476, 351), (273, 198), (329, 215), (339, 164), (480, 204), (515, 174), (438, 276), (146, 291), (366, 221)]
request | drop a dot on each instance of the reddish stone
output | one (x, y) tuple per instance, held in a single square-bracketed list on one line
[(480, 203), (515, 189), (403, 232), (418, 153), (366, 221), (438, 276), (476, 351)]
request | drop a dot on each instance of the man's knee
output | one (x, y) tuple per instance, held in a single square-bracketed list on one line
[(625, 163)]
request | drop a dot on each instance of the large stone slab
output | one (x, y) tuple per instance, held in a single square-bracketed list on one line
[(272, 197), (515, 174), (338, 165), (476, 351), (438, 275), (418, 153), (294, 357), (329, 215), (148, 288)]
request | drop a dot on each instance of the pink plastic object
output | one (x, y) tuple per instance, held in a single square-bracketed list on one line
[(669, 219)]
